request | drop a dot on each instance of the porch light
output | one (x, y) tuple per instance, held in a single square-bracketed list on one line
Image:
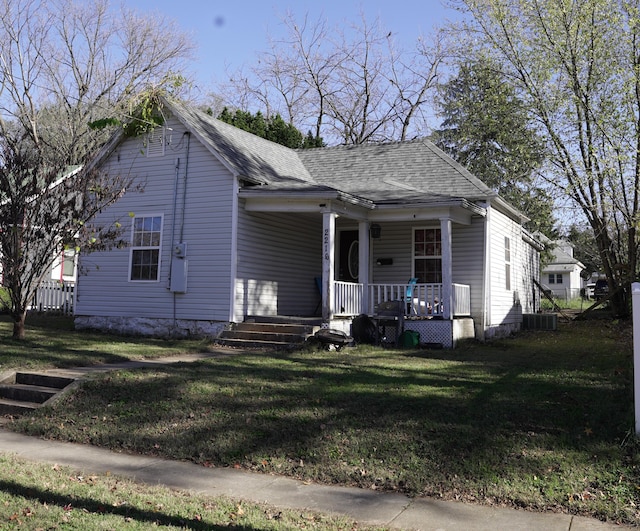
[(375, 231)]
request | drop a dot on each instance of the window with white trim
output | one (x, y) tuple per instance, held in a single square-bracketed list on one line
[(555, 278), (69, 264), (507, 263), (427, 255), (145, 248)]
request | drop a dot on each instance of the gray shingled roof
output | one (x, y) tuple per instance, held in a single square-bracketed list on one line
[(245, 154), (392, 172), (384, 173)]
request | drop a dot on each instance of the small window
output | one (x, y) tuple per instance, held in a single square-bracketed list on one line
[(145, 248), (507, 265)]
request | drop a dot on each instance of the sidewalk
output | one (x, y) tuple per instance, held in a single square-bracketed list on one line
[(395, 511)]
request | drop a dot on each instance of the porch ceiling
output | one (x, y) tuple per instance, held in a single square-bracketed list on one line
[(458, 210)]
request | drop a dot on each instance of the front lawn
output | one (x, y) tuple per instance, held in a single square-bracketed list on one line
[(52, 342), (542, 421)]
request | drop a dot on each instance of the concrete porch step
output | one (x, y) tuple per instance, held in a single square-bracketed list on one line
[(273, 332)]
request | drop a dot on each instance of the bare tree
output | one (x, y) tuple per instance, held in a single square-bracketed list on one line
[(413, 77), (577, 64), (64, 65), (348, 87), (47, 207)]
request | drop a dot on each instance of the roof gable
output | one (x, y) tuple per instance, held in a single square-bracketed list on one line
[(246, 155)]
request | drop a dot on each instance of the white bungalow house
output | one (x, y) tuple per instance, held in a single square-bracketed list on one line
[(562, 275), (230, 225)]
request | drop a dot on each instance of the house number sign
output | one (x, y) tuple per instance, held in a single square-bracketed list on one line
[(326, 244)]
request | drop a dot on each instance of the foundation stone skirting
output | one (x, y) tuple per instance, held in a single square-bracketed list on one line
[(143, 326)]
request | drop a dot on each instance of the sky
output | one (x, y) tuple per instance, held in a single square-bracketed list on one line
[(229, 34)]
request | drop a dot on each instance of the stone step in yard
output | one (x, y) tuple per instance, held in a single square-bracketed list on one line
[(22, 392)]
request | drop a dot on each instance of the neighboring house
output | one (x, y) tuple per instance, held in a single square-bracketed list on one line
[(230, 225), (56, 289), (562, 276), (63, 268)]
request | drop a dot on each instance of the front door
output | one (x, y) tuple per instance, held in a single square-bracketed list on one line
[(348, 256)]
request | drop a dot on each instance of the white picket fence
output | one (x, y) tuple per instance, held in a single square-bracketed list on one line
[(55, 296)]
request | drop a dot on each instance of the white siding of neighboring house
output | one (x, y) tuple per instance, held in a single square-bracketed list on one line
[(279, 254), (505, 311), (104, 287)]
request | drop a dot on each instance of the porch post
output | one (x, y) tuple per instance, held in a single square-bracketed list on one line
[(364, 260), (447, 288), (328, 259)]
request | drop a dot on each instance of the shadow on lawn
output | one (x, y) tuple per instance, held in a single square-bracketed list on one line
[(75, 503), (384, 418)]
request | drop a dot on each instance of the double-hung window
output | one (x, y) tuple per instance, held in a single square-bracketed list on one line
[(427, 255), (555, 278), (145, 248)]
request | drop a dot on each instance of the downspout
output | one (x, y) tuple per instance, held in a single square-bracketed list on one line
[(173, 218), (184, 186), (182, 215), (234, 250)]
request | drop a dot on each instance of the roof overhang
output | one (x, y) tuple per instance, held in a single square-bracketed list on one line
[(562, 268), (459, 210), (260, 200)]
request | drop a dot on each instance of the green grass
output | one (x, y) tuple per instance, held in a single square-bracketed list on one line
[(52, 342), (542, 421), (37, 496)]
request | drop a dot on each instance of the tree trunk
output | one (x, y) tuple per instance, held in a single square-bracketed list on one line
[(18, 326)]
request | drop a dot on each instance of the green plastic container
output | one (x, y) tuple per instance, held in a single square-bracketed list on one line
[(409, 339)]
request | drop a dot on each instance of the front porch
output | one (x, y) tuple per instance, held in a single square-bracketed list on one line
[(422, 301), (441, 316)]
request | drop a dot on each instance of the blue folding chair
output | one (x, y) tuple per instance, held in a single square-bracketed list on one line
[(409, 295)]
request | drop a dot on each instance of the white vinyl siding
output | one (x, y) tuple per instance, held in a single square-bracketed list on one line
[(105, 289), (279, 255), (505, 309), (468, 262)]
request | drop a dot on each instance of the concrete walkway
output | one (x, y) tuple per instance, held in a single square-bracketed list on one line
[(395, 511)]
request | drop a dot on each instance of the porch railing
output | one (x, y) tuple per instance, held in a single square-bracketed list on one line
[(461, 300), (422, 300), (348, 298), (53, 295)]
